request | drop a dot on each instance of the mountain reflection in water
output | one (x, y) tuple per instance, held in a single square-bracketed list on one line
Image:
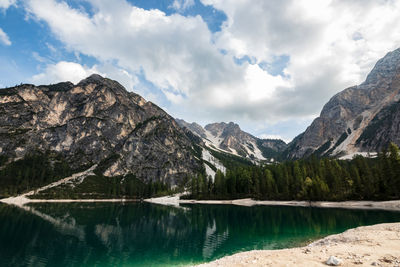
[(142, 234)]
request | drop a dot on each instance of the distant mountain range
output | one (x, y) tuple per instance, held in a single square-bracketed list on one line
[(229, 138), (98, 122)]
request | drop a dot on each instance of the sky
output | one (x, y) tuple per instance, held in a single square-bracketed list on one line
[(268, 65)]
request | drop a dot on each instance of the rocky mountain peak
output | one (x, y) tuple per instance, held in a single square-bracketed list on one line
[(384, 70), (232, 129), (94, 78), (215, 128), (223, 128), (92, 121), (348, 114), (193, 127), (228, 137)]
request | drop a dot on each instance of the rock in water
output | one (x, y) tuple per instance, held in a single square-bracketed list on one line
[(333, 261)]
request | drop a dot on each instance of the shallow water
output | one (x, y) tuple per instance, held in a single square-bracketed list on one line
[(142, 234)]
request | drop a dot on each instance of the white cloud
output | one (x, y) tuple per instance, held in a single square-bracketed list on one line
[(182, 5), (270, 136), (61, 72), (175, 52), (75, 72), (331, 44), (39, 58), (4, 38), (7, 3)]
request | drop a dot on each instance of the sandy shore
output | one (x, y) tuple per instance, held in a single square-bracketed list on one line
[(385, 205), (377, 245)]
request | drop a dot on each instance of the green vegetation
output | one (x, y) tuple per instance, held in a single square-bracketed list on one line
[(33, 171), (3, 160), (101, 187), (322, 148), (105, 164), (385, 116), (7, 92), (268, 152), (38, 169), (309, 179), (342, 137), (230, 161)]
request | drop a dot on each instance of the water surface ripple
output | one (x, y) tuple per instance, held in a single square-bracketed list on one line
[(142, 234)]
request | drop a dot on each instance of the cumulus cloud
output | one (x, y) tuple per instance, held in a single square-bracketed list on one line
[(4, 38), (7, 3), (75, 72), (61, 72), (329, 44), (175, 52), (182, 5)]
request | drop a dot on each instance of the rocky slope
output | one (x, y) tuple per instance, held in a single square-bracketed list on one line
[(360, 119), (95, 122), (228, 137)]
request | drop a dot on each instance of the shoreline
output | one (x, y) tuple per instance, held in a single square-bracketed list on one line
[(22, 200), (375, 245), (392, 205)]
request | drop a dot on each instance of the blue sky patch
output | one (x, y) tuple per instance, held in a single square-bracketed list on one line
[(276, 66)]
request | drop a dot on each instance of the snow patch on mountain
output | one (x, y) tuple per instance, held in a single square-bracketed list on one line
[(206, 155)]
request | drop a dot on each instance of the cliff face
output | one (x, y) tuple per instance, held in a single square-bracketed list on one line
[(340, 128), (93, 122), (228, 137), (383, 129)]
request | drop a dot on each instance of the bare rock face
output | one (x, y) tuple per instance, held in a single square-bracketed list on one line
[(384, 128), (93, 121), (228, 137), (193, 127), (348, 114)]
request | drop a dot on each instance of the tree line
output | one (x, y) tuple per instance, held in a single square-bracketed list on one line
[(39, 169), (33, 171), (307, 179)]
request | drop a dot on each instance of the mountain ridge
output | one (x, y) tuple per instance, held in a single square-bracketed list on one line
[(92, 121), (346, 116), (229, 138)]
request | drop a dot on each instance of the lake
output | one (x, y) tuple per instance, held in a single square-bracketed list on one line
[(143, 234)]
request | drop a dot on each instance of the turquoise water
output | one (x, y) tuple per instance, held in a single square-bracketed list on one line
[(141, 234)]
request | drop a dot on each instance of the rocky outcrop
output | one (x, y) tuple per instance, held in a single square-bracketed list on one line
[(233, 139), (348, 122), (228, 137), (95, 122), (193, 127), (383, 129)]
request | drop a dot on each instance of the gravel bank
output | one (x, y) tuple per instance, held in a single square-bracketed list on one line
[(377, 245)]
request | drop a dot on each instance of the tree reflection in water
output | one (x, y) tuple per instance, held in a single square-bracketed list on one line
[(142, 234)]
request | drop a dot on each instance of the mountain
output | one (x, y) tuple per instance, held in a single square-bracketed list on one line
[(95, 122), (229, 138), (360, 119)]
